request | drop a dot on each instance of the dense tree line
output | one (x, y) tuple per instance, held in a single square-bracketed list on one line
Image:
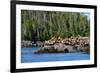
[(42, 25)]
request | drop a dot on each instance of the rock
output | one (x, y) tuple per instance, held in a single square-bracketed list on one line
[(46, 49), (32, 44), (72, 48), (26, 44), (49, 42), (86, 48), (57, 48), (68, 48), (39, 44)]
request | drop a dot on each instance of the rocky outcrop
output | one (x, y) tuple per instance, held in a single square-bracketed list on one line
[(27, 44), (32, 44), (59, 45), (57, 48), (86, 48)]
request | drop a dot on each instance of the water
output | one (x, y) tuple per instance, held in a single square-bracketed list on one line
[(28, 56)]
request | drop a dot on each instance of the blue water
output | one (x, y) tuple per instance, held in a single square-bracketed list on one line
[(28, 56)]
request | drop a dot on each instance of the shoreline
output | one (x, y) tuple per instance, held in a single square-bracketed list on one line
[(60, 45)]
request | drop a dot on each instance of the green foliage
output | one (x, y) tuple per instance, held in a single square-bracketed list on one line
[(42, 25)]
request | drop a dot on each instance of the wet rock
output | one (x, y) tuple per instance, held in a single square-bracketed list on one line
[(46, 49), (57, 48), (86, 48)]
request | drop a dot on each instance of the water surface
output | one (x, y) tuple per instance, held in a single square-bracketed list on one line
[(28, 56)]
